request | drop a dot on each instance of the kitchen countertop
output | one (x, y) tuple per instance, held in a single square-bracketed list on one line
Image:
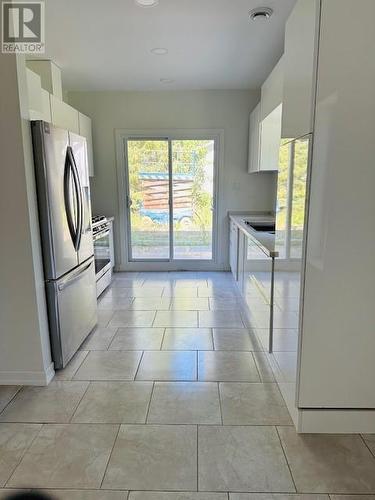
[(264, 240)]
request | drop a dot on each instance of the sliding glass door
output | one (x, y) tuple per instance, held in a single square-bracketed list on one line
[(193, 198), (171, 198), (148, 199)]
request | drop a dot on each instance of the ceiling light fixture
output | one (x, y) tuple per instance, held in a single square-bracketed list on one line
[(159, 51), (260, 14), (147, 3), (166, 80)]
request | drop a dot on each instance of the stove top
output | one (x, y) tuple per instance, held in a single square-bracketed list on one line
[(98, 220), (99, 223)]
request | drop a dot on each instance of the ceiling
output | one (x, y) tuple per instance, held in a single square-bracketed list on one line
[(212, 44)]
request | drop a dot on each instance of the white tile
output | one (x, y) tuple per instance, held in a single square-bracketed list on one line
[(220, 319), (168, 365), (134, 339), (109, 365), (176, 319), (54, 403), (154, 457), (185, 403), (132, 318), (189, 304), (175, 339)]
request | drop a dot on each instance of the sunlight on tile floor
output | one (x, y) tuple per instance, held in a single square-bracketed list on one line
[(172, 398)]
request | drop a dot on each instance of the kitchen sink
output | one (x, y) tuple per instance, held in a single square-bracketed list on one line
[(262, 227)]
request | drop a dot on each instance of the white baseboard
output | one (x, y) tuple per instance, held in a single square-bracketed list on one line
[(27, 377), (167, 266), (327, 421), (336, 421)]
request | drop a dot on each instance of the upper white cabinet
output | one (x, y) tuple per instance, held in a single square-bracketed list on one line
[(34, 94), (300, 56), (254, 140), (270, 119), (85, 129), (265, 124), (272, 89), (50, 75), (38, 98), (270, 140), (63, 115), (46, 107), (45, 103)]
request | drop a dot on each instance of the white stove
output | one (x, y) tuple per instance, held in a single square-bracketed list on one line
[(102, 252)]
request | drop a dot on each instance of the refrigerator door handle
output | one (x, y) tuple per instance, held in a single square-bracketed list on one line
[(71, 279), (80, 198), (74, 225), (67, 200)]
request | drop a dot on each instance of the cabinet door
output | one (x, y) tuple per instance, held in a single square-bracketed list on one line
[(85, 129), (254, 140), (233, 249), (272, 90), (46, 107), (270, 140), (241, 255), (34, 95), (339, 292), (63, 115), (256, 290), (300, 56)]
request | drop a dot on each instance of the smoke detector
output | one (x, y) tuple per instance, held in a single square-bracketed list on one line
[(260, 14), (147, 3)]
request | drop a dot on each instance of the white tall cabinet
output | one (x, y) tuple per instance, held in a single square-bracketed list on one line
[(330, 92), (339, 298)]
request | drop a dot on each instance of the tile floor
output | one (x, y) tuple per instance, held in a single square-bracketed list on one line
[(172, 397)]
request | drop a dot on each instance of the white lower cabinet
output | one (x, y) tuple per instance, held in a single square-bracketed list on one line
[(233, 249)]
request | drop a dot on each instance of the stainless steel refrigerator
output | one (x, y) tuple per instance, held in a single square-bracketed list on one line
[(63, 191)]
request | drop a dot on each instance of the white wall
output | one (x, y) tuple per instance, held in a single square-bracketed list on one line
[(228, 110), (24, 342)]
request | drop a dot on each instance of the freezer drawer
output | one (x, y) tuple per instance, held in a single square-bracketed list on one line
[(72, 309)]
